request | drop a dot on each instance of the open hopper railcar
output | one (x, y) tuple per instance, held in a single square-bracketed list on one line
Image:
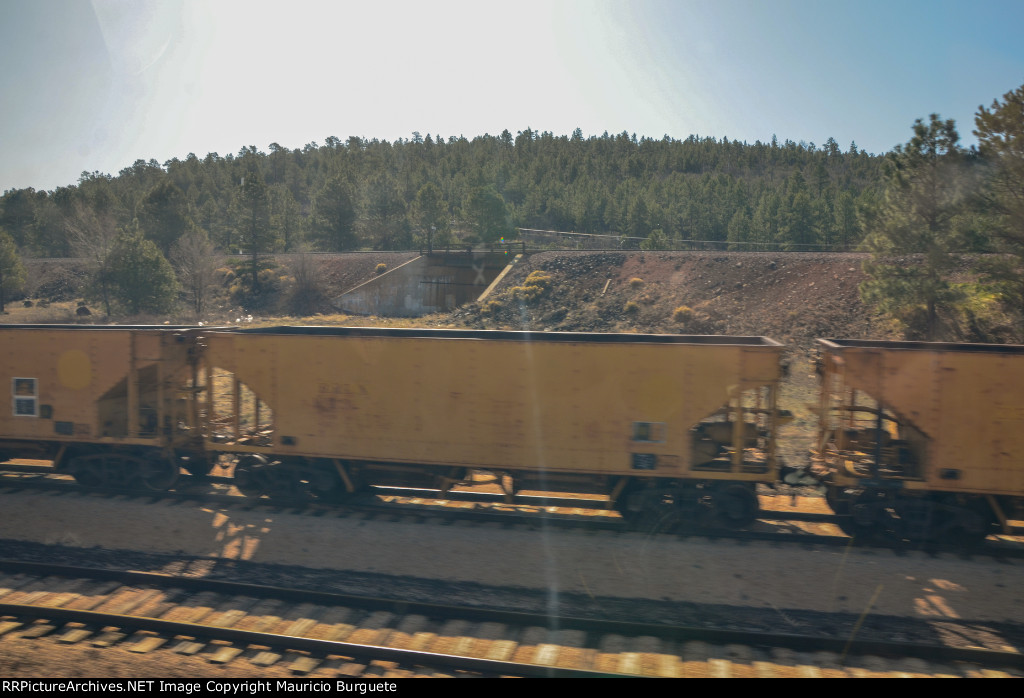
[(657, 422), (922, 439), (114, 406)]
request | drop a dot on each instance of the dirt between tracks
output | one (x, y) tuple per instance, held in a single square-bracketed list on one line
[(722, 584)]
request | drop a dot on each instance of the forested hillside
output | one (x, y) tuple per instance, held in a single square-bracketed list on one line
[(150, 235), (374, 194)]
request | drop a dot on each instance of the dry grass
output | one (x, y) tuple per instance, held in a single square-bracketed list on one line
[(64, 313), (55, 313), (343, 320)]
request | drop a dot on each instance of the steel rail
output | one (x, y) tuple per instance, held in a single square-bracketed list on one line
[(295, 642), (807, 643)]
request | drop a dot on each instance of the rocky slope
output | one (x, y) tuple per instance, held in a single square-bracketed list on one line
[(793, 298)]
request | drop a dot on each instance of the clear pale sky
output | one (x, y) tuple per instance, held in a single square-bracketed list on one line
[(94, 86)]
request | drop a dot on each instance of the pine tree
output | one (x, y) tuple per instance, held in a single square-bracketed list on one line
[(386, 220), (17, 215), (12, 271), (846, 221), (486, 213), (1000, 132), (430, 212), (163, 214), (285, 216), (739, 231), (1000, 135), (256, 236), (924, 196), (139, 276), (657, 240), (334, 215)]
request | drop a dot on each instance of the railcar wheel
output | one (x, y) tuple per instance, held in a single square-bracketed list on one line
[(197, 466), (737, 506), (947, 519), (972, 529), (653, 509), (119, 471), (327, 485), (87, 472), (920, 520), (862, 522), (838, 500), (247, 478), (281, 482), (159, 473), (102, 470)]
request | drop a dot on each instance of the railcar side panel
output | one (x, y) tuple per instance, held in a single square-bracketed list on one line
[(601, 404), (85, 384), (954, 408)]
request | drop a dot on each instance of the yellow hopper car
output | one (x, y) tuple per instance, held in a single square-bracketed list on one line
[(659, 423), (113, 406), (922, 440)]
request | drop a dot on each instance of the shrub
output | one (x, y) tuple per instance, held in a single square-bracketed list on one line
[(631, 307), (264, 296), (683, 314), (306, 289), (536, 285), (538, 278), (527, 294), (636, 282), (491, 307), (381, 268), (657, 240), (224, 276), (138, 276)]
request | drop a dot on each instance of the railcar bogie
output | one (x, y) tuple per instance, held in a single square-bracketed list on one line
[(662, 505), (256, 475), (122, 467), (917, 517)]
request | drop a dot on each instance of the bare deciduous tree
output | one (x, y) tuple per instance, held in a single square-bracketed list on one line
[(92, 234), (196, 262), (308, 295)]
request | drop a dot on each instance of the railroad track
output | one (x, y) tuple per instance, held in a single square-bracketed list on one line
[(778, 523), (298, 632)]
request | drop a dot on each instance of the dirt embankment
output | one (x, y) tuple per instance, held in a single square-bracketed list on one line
[(793, 298), (342, 273)]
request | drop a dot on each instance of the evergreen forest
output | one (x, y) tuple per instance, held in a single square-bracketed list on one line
[(372, 194), (143, 230)]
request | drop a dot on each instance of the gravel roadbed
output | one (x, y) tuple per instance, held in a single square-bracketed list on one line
[(624, 566)]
